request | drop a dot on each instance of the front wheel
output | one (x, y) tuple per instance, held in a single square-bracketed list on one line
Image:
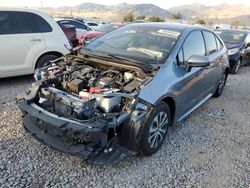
[(45, 60), (155, 129), (236, 67), (221, 85)]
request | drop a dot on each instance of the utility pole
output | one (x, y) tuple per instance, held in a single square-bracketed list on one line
[(41, 2)]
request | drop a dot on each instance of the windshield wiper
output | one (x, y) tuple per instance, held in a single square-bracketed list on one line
[(124, 59), (116, 58), (89, 51)]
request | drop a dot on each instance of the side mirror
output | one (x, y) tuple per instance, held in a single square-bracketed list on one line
[(197, 61), (248, 45)]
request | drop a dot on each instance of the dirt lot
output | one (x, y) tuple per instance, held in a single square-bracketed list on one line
[(209, 149)]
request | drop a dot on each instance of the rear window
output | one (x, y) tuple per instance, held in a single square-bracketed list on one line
[(41, 25), (230, 36), (14, 23)]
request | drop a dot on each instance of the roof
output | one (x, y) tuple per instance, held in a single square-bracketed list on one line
[(21, 9)]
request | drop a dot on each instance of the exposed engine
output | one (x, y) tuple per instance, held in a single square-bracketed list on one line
[(82, 91)]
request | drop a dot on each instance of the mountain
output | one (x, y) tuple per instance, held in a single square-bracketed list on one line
[(149, 10), (223, 13), (90, 10), (189, 10)]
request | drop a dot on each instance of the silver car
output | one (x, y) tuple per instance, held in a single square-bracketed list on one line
[(121, 93)]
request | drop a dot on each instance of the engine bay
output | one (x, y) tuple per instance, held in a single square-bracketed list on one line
[(82, 91)]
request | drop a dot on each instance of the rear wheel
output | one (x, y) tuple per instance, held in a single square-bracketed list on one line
[(155, 129), (45, 60), (236, 67), (221, 85)]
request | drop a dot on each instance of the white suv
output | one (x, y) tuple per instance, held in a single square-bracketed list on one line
[(28, 40)]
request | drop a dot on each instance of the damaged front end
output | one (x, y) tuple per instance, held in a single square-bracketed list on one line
[(84, 107)]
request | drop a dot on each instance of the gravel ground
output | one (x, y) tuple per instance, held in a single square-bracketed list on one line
[(209, 149)]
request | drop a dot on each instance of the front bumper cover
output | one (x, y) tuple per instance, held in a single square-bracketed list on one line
[(62, 134), (85, 139)]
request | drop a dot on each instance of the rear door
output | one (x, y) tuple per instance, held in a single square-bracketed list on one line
[(19, 43), (212, 73)]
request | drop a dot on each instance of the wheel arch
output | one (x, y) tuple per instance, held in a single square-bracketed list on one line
[(171, 102), (56, 53)]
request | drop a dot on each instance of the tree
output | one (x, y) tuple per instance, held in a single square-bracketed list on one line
[(128, 17), (140, 17), (177, 16), (201, 22), (210, 23), (235, 24), (156, 19)]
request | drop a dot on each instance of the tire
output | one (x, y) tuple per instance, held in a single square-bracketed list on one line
[(221, 85), (153, 131), (45, 60), (236, 67)]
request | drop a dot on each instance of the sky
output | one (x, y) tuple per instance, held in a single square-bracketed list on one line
[(161, 3)]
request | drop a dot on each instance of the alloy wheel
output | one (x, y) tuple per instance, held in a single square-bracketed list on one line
[(222, 82), (237, 66), (158, 129)]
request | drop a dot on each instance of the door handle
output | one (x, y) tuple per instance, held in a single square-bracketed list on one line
[(36, 40)]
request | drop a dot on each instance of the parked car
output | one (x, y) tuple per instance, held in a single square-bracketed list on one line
[(91, 35), (238, 45), (93, 25), (75, 18), (80, 27), (121, 93), (29, 39), (70, 32)]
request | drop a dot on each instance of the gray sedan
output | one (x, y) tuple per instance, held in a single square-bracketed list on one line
[(124, 89)]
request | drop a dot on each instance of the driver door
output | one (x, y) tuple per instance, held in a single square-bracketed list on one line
[(190, 83)]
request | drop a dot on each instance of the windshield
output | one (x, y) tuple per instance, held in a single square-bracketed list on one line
[(234, 37), (138, 42)]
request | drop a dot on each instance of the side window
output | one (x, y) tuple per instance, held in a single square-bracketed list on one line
[(210, 41), (219, 44), (193, 45), (77, 25), (14, 23), (65, 23), (41, 25)]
